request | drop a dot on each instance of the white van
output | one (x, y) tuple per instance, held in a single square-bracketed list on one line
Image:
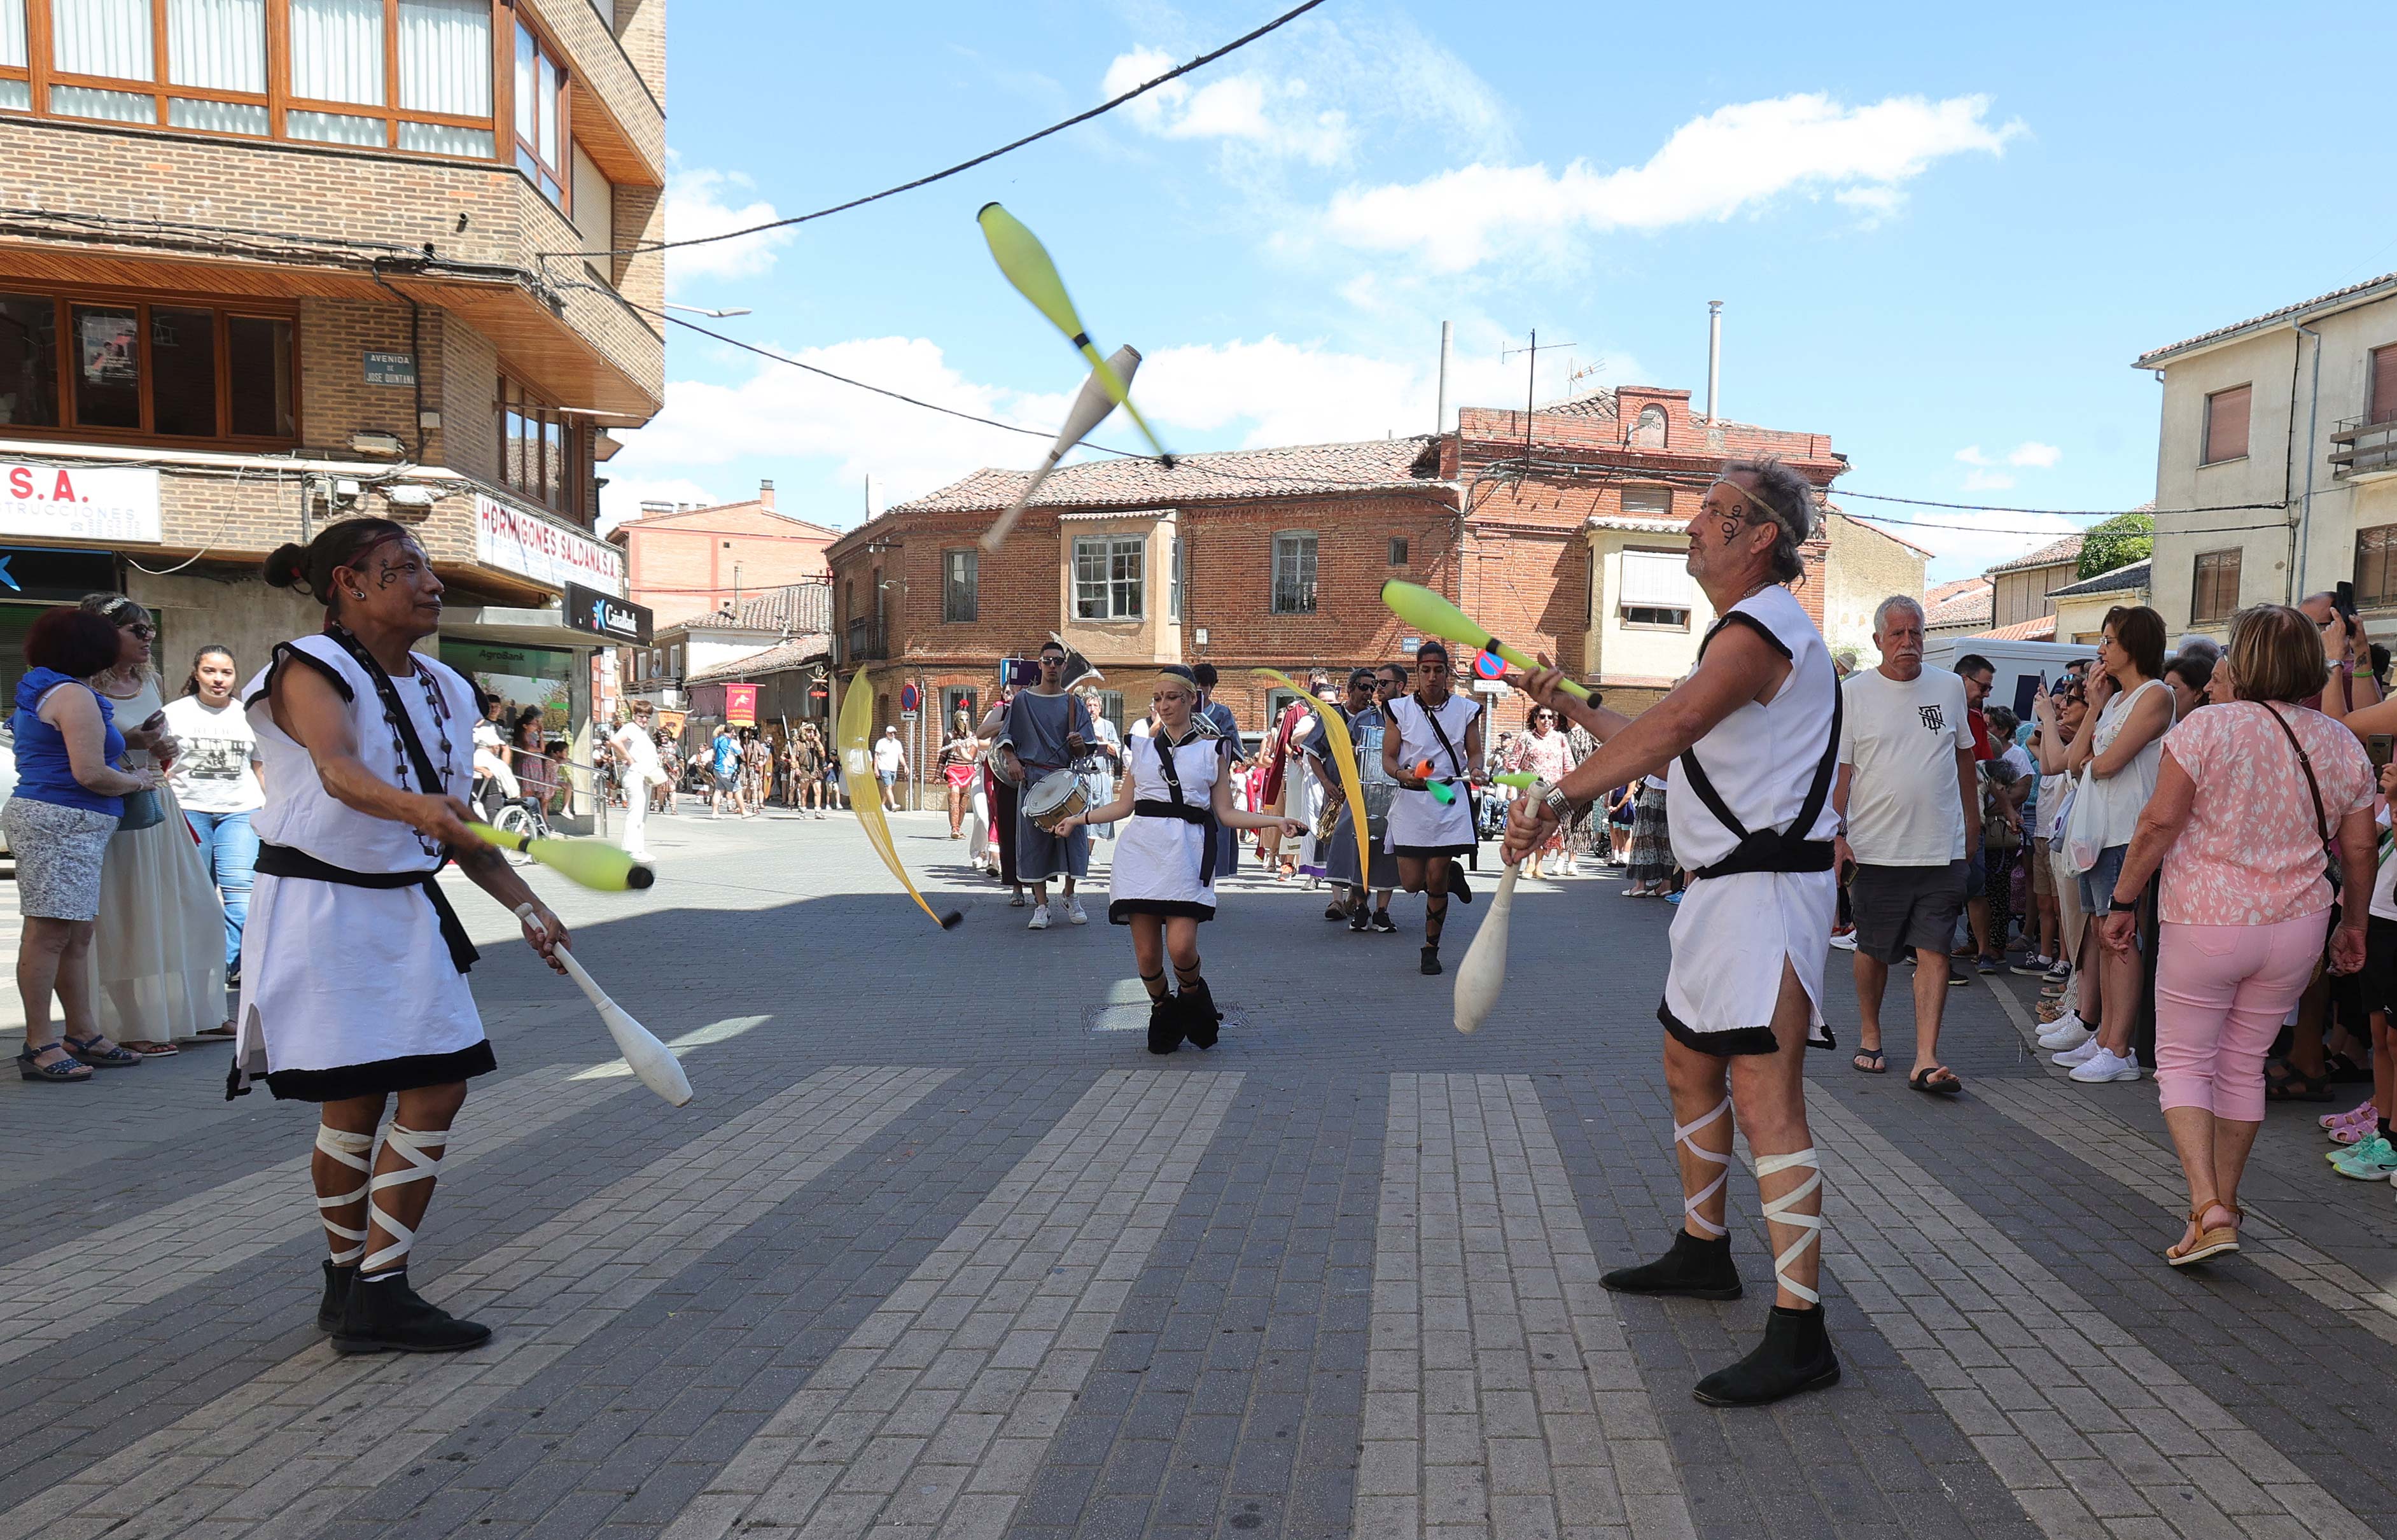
[(2023, 668)]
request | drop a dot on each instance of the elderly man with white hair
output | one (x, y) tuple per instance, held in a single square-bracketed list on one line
[(1909, 816)]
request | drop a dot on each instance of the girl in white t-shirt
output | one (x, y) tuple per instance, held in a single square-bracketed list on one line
[(215, 778)]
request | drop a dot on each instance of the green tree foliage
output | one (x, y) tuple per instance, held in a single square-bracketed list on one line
[(2119, 542)]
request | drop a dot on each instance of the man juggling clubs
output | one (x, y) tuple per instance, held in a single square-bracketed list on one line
[(1752, 738)]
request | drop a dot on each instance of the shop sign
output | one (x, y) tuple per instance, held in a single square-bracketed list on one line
[(102, 502), (605, 615), (549, 554), (740, 705)]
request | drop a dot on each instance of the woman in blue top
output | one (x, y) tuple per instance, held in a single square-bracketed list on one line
[(69, 796)]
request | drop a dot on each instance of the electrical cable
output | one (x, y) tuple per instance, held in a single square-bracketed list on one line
[(1202, 60)]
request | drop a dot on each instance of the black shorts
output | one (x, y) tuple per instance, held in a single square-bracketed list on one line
[(1903, 909), (2378, 980)]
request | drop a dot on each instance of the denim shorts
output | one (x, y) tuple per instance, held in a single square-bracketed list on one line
[(2097, 883)]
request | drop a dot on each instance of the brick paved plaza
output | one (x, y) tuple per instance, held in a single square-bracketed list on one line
[(939, 1247)]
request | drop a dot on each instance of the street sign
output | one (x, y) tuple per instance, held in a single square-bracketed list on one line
[(907, 715), (1492, 686), (605, 615), (391, 369), (1410, 645), (911, 699)]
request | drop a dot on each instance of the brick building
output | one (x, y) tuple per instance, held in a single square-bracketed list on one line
[(682, 561), (269, 266), (1277, 556)]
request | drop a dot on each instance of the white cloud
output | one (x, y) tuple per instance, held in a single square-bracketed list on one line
[(2028, 454), (1987, 481), (1303, 393), (1729, 162), (1278, 116), (701, 202), (623, 495), (1971, 455), (2032, 452)]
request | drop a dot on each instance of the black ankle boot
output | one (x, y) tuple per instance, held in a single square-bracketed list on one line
[(1795, 1355), (1201, 1020), (1164, 1024), (1458, 888), (1431, 960), (1693, 1269), (383, 1315), (339, 1275)]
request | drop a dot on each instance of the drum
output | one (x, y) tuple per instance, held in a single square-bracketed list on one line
[(1054, 798), (995, 760)]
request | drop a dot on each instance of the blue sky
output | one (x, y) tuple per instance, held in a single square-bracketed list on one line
[(1939, 239)]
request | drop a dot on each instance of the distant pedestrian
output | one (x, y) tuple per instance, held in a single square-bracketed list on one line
[(808, 770), (215, 778), (960, 767), (724, 752), (890, 764), (638, 756)]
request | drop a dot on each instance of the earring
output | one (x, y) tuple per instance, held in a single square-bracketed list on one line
[(357, 592)]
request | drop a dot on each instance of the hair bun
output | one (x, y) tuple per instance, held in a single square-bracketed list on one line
[(286, 568)]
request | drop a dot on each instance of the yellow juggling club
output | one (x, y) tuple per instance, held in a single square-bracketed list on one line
[(866, 795), (1343, 754), (593, 863), (1025, 261), (1427, 610)]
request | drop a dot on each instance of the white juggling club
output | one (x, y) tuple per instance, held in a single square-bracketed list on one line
[(1090, 408), (1483, 971), (659, 1069)]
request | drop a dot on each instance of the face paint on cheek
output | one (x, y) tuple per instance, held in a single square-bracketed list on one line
[(1729, 531)]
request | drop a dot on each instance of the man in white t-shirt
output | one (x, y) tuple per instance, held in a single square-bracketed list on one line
[(638, 752), (890, 764), (1909, 817)]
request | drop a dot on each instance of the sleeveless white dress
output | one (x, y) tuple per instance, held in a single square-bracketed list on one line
[(1158, 861), (348, 990), (1732, 934), (158, 945), (1419, 824)]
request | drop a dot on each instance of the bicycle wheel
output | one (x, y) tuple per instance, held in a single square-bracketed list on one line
[(514, 819)]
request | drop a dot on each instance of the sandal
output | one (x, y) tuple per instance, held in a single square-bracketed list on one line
[(1876, 1067), (150, 1049), (1934, 1080), (59, 1071), (224, 1034), (89, 1050), (2290, 1086), (2217, 1242)]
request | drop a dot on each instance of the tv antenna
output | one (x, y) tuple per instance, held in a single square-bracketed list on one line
[(1531, 385)]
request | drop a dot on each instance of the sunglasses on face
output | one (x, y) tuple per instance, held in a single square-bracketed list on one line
[(145, 632)]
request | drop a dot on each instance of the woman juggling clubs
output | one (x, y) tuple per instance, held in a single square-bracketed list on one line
[(1175, 795), (1434, 737), (354, 978)]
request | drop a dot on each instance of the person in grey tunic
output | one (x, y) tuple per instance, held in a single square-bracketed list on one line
[(1048, 730), (1228, 848), (1363, 713)]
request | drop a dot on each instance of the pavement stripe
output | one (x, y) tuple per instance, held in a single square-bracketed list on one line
[(280, 1457), (933, 1415), (78, 1284), (2091, 1433), (1501, 1395)]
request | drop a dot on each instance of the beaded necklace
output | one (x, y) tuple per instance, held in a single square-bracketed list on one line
[(439, 710)]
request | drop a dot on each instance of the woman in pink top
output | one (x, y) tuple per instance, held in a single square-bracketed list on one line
[(2251, 798)]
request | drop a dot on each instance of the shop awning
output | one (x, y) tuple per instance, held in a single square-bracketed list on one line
[(515, 627)]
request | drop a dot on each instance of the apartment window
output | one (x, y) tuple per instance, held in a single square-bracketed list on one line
[(2213, 591), (956, 698), (130, 367), (961, 584), (541, 114), (1294, 574), (2383, 403), (1174, 582), (407, 75), (1111, 706), (1653, 591), (2226, 425), (1397, 550), (542, 453), (1648, 502), (1107, 577), (2375, 565)]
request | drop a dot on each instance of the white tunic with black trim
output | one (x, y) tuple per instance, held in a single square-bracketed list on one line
[(337, 977), (1158, 860), (1420, 823), (1732, 934)]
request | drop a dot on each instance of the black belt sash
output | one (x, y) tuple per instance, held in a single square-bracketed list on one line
[(1150, 807), (1770, 849), (284, 861)]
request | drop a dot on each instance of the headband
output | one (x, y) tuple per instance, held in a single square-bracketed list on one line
[(1755, 502)]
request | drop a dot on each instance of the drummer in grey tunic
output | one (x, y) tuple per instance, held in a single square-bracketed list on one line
[(1048, 730), (1363, 713)]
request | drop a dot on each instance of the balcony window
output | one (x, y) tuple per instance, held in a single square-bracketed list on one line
[(961, 585), (2214, 589), (1107, 577), (541, 115), (123, 368), (2226, 425), (2376, 566), (544, 454), (1174, 582), (1294, 574), (2382, 407), (1648, 502), (1654, 592), (407, 75)]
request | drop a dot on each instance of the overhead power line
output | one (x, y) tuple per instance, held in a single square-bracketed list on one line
[(2058, 513), (1104, 107)]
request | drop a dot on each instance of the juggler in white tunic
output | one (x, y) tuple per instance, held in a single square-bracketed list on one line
[(1420, 824), (1161, 865), (1734, 933), (349, 991)]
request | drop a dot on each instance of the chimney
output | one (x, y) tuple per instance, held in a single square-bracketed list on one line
[(1714, 356), (1440, 417), (766, 495)]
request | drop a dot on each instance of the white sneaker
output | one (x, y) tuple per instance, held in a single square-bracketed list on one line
[(1845, 940), (1040, 921), (2104, 1065), (1074, 912), (2067, 1031), (2074, 1057)]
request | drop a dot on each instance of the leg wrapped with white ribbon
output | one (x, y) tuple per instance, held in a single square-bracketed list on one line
[(383, 1314)]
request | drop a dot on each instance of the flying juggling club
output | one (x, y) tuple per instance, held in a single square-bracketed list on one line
[(1427, 610), (592, 863), (1090, 408), (1025, 261), (857, 770), (1442, 792)]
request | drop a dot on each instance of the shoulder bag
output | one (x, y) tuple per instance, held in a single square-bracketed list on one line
[(2331, 869)]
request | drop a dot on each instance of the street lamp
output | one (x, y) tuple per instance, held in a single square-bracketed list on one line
[(716, 315)]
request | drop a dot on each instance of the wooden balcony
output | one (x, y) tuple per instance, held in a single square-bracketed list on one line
[(2361, 451)]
